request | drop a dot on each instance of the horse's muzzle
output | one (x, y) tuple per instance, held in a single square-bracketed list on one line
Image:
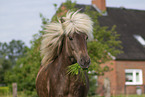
[(84, 62)]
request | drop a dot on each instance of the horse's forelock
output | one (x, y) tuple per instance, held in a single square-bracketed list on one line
[(78, 22)]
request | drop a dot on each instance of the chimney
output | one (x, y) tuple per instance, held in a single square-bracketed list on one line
[(99, 5)]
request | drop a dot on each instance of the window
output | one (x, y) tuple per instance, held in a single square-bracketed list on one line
[(140, 39), (133, 77)]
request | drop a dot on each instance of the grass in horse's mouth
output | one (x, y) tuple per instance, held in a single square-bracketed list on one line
[(75, 69)]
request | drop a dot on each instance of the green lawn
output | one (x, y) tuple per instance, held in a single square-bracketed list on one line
[(23, 95), (123, 96), (131, 96), (10, 95)]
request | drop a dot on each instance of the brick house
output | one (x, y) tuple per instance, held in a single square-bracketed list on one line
[(128, 67)]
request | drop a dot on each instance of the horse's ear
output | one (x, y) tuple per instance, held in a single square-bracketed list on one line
[(62, 20)]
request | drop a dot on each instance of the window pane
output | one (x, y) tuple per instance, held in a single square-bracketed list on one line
[(129, 77), (137, 77)]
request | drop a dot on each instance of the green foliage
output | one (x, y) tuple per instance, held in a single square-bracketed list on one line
[(9, 53), (93, 84), (5, 65), (13, 50)]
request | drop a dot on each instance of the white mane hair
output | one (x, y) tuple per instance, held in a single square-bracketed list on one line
[(74, 22), (78, 22)]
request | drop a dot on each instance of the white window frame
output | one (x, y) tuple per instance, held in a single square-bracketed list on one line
[(134, 71)]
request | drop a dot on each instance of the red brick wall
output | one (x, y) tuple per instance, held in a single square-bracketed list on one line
[(120, 68), (117, 77)]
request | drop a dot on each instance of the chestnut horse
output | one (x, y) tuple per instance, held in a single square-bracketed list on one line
[(64, 44)]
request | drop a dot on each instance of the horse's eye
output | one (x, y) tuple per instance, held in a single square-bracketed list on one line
[(70, 38)]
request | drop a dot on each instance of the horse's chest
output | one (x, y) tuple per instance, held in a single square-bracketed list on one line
[(59, 83), (64, 85), (77, 88)]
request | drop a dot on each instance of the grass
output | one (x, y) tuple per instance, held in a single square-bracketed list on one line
[(21, 94), (131, 96), (124, 96)]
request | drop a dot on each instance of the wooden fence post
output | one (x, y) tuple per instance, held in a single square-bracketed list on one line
[(14, 85), (107, 88)]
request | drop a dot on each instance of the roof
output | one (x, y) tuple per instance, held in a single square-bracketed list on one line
[(128, 23)]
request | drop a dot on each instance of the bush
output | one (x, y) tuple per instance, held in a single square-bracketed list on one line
[(4, 90)]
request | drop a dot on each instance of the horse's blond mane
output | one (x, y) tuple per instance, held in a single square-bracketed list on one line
[(52, 40)]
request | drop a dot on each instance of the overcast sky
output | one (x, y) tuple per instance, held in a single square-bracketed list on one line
[(19, 19)]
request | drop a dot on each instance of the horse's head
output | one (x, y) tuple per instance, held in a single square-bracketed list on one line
[(78, 28), (78, 47)]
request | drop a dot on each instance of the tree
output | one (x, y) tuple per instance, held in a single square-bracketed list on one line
[(5, 65), (13, 50), (9, 53), (3, 50)]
